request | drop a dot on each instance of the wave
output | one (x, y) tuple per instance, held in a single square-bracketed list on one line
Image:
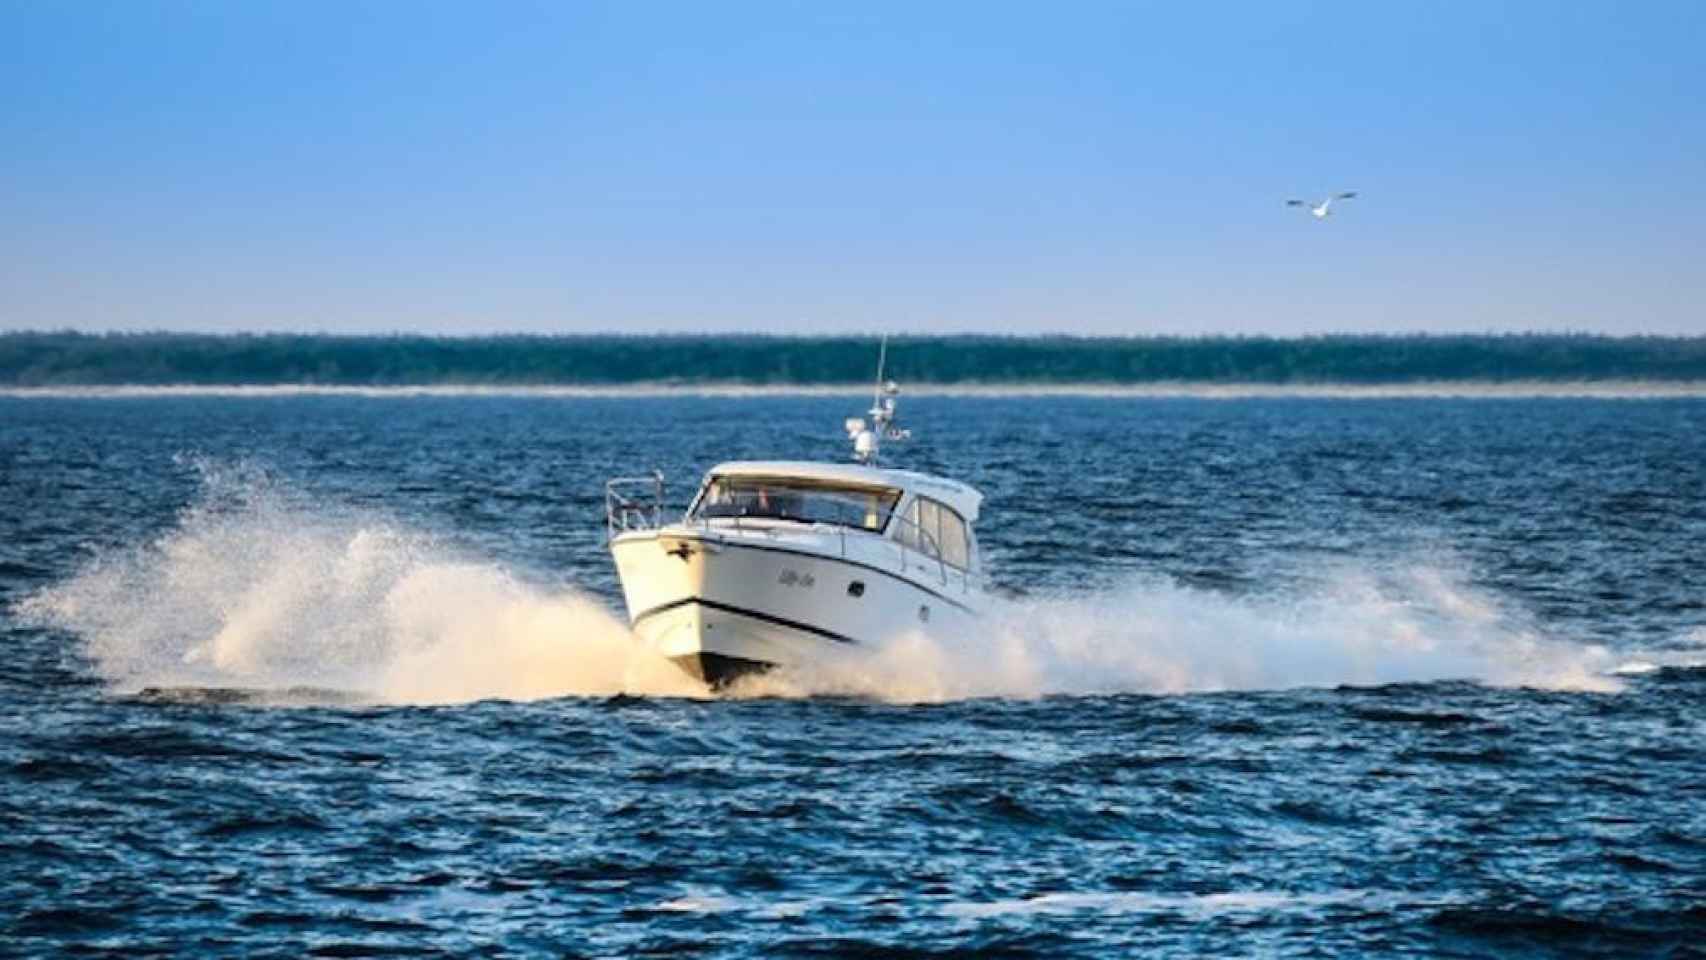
[(261, 594), (1109, 902), (44, 359)]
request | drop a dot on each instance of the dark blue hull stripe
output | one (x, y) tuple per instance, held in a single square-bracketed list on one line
[(743, 612)]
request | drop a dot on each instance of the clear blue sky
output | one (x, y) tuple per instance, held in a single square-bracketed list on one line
[(1112, 168)]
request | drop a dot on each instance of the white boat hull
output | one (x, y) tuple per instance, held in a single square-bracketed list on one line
[(721, 606)]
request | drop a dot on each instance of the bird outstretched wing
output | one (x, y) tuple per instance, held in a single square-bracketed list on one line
[(1347, 195), (1296, 203)]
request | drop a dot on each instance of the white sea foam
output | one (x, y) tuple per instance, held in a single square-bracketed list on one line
[(1687, 652), (1152, 636), (1509, 389), (259, 588), (256, 589)]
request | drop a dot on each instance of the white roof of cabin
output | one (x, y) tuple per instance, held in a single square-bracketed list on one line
[(962, 498)]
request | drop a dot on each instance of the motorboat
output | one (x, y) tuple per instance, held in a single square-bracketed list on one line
[(780, 562)]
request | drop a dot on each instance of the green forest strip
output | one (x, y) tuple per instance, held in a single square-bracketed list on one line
[(62, 359)]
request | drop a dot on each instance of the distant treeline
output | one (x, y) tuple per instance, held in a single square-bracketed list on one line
[(63, 358)]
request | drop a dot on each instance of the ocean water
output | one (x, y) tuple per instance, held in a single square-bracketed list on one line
[(329, 675)]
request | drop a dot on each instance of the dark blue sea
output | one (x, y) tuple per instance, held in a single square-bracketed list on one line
[(346, 675)]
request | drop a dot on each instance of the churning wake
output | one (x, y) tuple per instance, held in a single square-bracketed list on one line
[(1154, 636), (258, 588)]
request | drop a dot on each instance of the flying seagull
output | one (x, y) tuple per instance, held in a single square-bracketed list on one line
[(1324, 209)]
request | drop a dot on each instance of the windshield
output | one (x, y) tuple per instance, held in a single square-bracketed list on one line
[(867, 508)]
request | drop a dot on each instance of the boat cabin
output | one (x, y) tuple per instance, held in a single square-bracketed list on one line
[(931, 515)]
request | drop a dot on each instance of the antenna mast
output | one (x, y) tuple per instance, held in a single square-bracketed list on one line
[(867, 441), (882, 360)]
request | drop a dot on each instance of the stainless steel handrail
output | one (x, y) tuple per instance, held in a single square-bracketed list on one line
[(626, 511)]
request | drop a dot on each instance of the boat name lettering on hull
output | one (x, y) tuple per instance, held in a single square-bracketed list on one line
[(793, 578)]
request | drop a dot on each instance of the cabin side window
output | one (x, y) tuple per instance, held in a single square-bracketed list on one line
[(935, 530), (953, 539), (906, 531), (929, 512)]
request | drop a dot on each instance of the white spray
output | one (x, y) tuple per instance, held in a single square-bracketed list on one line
[(1152, 636), (256, 588)]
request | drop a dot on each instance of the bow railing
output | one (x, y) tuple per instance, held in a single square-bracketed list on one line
[(633, 503)]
